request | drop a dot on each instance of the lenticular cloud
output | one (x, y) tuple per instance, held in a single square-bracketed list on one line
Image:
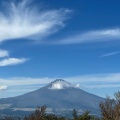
[(21, 20)]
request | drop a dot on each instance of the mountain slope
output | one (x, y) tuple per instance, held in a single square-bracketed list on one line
[(58, 94)]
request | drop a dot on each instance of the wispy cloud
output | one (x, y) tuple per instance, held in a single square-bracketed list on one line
[(91, 80), (110, 54), (23, 20), (12, 61), (6, 60), (3, 87), (4, 53), (104, 86), (91, 83), (25, 81), (91, 36), (110, 80)]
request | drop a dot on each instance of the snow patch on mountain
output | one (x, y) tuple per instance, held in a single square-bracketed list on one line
[(61, 84), (77, 86)]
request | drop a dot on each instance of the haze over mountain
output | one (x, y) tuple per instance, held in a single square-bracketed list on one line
[(59, 94)]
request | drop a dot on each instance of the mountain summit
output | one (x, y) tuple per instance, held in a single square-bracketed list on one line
[(59, 84)]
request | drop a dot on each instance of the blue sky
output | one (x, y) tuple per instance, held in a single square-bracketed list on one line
[(41, 41)]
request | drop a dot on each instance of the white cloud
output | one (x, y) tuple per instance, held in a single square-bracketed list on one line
[(25, 81), (77, 86), (111, 79), (4, 53), (6, 60), (99, 78), (110, 54), (104, 86), (99, 84), (92, 36), (24, 20), (3, 87), (12, 61)]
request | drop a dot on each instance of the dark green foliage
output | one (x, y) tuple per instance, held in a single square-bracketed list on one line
[(54, 117), (75, 116), (39, 114), (84, 116)]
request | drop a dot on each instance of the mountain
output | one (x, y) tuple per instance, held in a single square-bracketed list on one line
[(58, 95), (59, 84)]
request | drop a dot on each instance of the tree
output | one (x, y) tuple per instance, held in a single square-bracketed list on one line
[(74, 113), (39, 114), (110, 108), (84, 116)]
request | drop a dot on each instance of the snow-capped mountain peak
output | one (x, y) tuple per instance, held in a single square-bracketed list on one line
[(59, 84)]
